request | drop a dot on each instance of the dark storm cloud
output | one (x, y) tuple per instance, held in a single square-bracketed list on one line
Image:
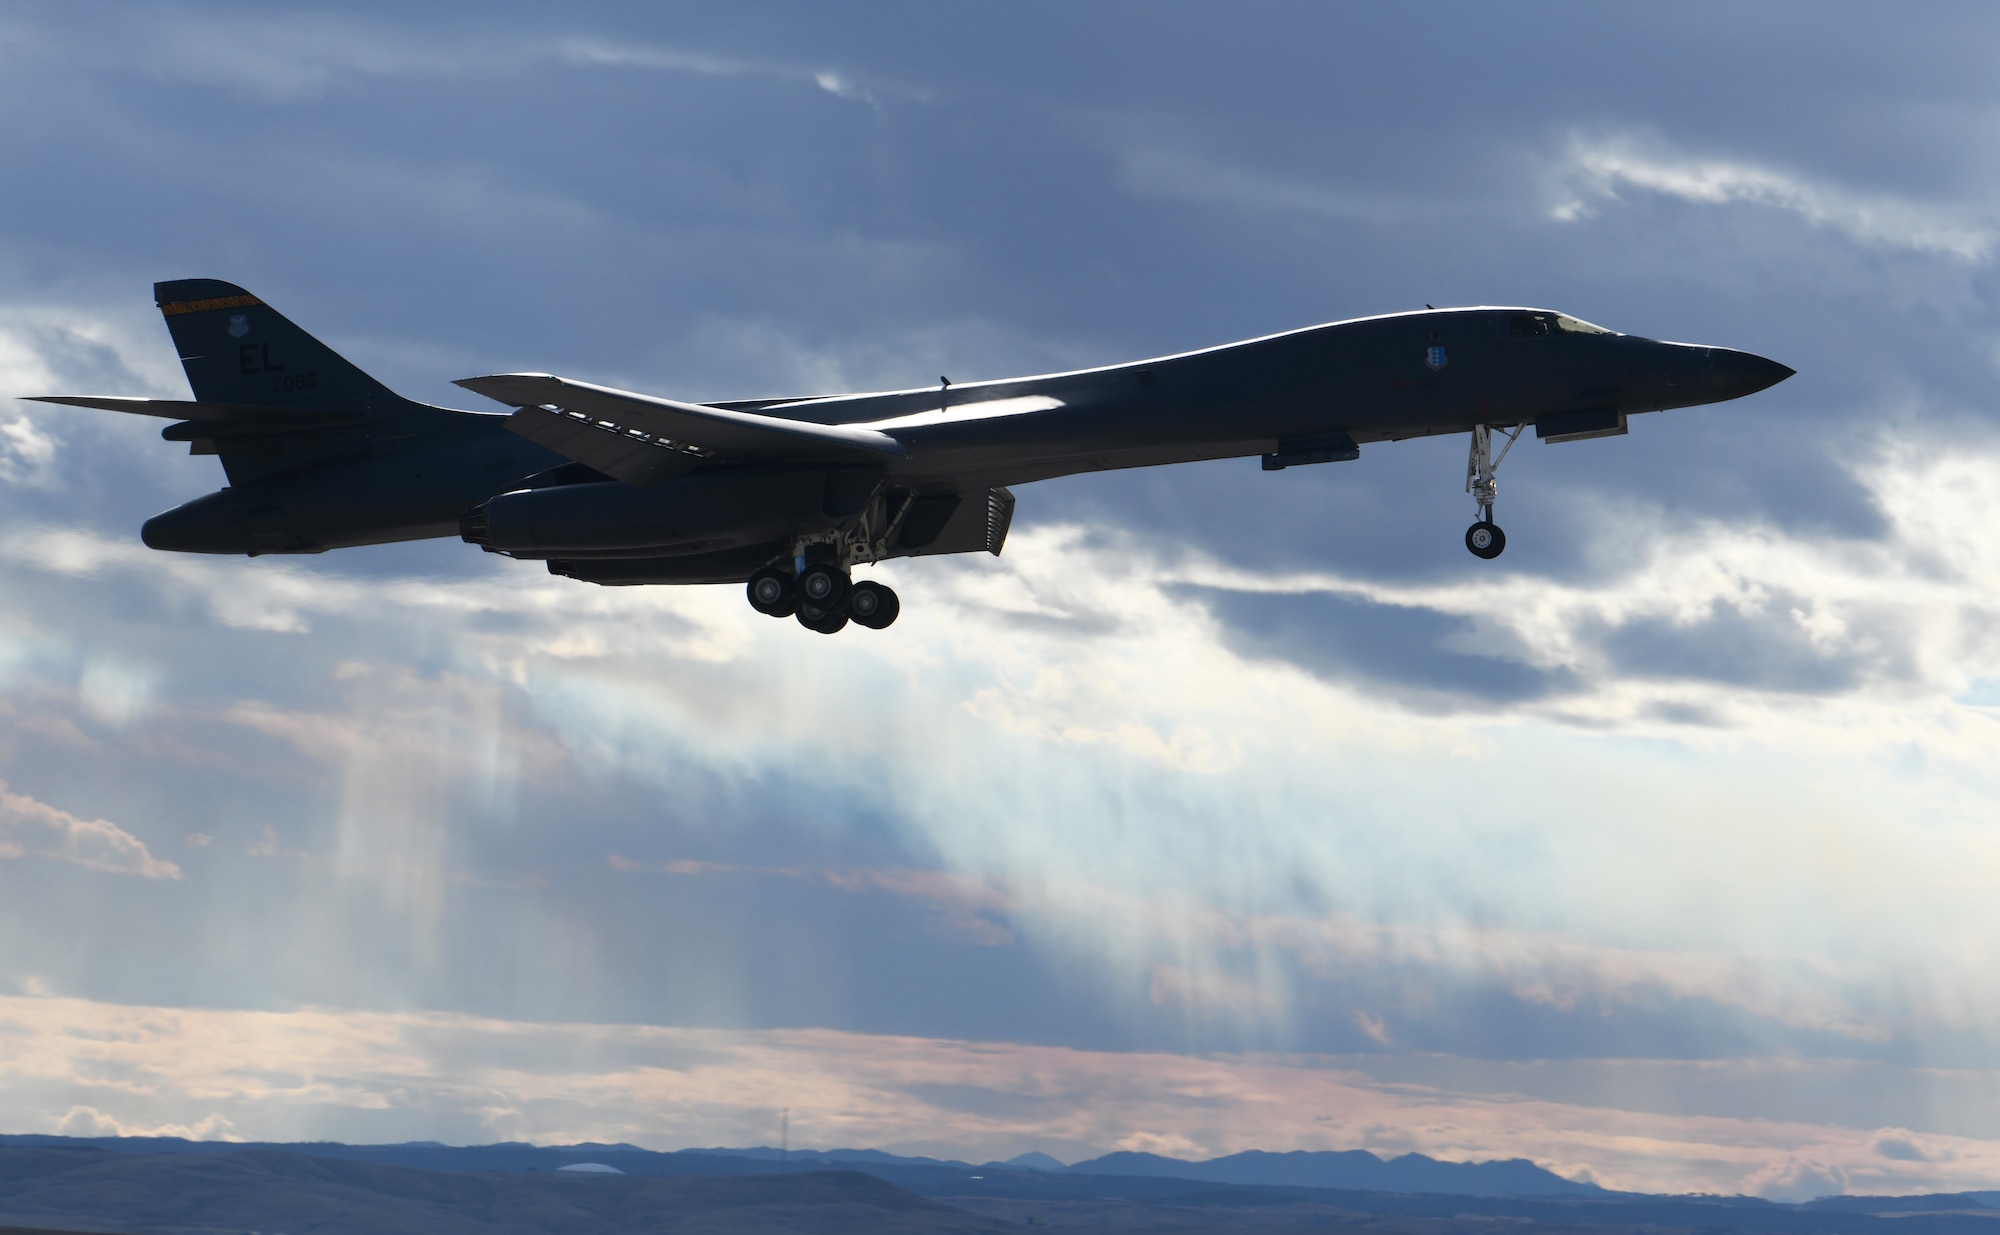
[(1411, 653), (1764, 652)]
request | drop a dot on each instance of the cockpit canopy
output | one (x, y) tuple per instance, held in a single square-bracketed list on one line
[(1532, 325)]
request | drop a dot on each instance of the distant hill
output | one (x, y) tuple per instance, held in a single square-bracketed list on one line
[(1031, 1161), (227, 1188), (267, 1190), (162, 1187), (1355, 1169)]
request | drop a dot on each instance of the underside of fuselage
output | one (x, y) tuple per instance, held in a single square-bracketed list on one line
[(616, 488)]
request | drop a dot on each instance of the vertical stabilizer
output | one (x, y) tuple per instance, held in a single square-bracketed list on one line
[(237, 349)]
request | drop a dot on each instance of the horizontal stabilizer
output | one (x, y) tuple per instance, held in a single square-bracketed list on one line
[(248, 416), (642, 438)]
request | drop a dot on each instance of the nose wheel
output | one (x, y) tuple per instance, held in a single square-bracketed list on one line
[(1485, 540), (1482, 481)]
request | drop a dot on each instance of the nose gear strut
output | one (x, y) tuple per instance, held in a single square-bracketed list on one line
[(1482, 481)]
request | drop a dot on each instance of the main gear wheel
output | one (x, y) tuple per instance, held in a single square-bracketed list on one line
[(873, 605)]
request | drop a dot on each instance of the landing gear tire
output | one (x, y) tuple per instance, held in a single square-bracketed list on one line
[(1482, 481), (825, 621), (1485, 539), (824, 586), (772, 593), (872, 605)]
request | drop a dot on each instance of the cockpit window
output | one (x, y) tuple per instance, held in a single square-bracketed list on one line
[(1533, 325)]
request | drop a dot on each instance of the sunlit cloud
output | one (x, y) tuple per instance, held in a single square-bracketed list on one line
[(29, 828), (587, 51), (56, 349), (298, 58), (1211, 815), (592, 52), (1211, 859), (1597, 171)]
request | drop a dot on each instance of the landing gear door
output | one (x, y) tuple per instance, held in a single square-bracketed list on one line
[(957, 523)]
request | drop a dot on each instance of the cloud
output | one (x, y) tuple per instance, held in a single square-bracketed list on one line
[(300, 58), (1722, 618), (579, 50), (54, 348), (116, 693), (105, 1069), (1374, 1026), (1902, 1145), (289, 60), (1425, 658), (1214, 866), (29, 828), (965, 906), (841, 88), (1167, 1144), (84, 1121), (1798, 1178), (591, 52), (1195, 179), (1597, 171)]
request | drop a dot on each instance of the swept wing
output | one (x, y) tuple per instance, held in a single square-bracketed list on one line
[(643, 439)]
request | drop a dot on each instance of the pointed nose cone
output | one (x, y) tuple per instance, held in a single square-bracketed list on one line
[(1734, 374)]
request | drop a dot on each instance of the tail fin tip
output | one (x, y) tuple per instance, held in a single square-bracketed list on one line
[(236, 348), (177, 296)]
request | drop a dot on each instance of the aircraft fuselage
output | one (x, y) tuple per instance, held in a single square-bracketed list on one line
[(615, 487)]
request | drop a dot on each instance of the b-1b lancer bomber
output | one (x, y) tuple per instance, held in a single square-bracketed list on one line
[(788, 495)]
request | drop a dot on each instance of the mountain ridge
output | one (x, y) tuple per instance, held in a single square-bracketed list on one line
[(150, 1189), (1355, 1169)]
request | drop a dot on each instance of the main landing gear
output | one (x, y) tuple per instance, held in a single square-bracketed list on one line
[(822, 598), (1482, 481)]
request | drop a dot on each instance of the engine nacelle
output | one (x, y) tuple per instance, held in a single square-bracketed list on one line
[(697, 513)]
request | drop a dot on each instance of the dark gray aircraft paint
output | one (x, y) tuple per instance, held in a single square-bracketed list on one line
[(612, 487)]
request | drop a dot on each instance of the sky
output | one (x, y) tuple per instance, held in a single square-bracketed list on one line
[(1225, 809)]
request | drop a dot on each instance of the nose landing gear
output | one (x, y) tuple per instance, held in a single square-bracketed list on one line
[(1482, 481), (1485, 539)]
